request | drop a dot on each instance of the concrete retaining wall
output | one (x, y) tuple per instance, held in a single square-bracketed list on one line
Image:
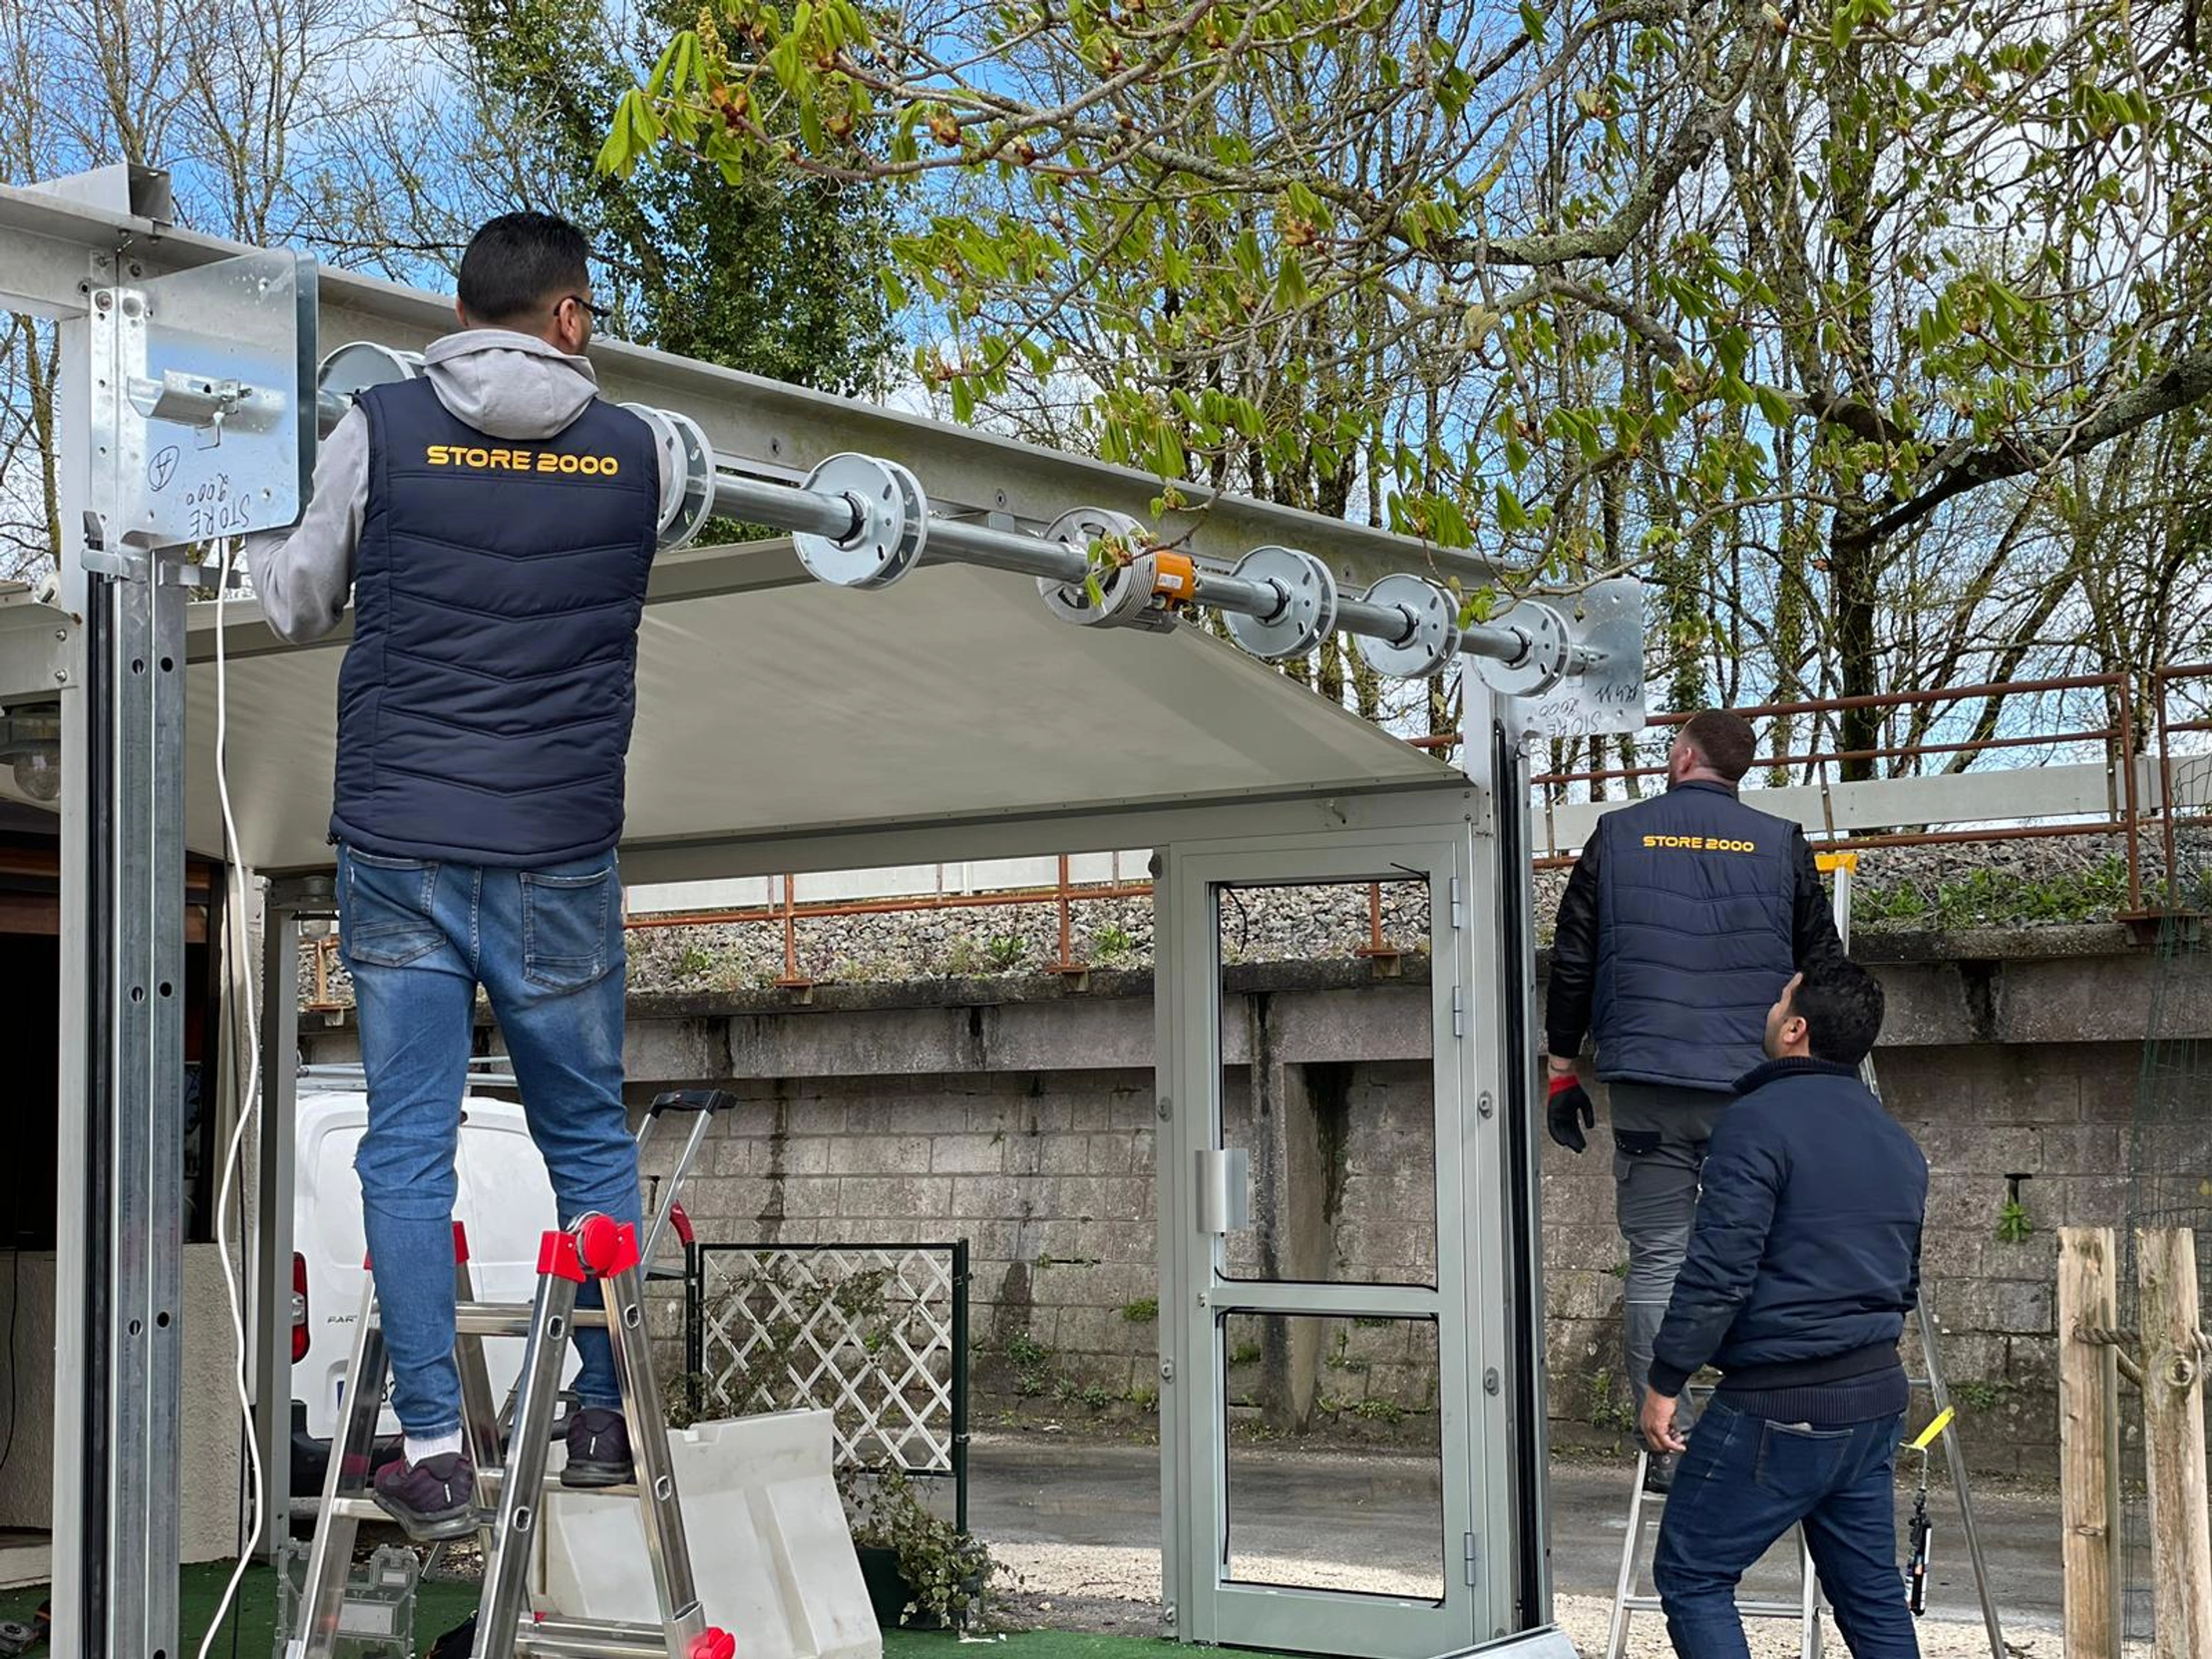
[(1021, 1117)]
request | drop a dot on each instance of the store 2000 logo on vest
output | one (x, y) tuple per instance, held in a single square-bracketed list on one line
[(519, 461)]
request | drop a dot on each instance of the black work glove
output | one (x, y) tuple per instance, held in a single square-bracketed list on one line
[(1570, 1101)]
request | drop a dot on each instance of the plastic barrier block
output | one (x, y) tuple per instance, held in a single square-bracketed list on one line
[(770, 1553)]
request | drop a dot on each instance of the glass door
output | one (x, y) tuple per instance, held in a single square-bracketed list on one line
[(1317, 1428)]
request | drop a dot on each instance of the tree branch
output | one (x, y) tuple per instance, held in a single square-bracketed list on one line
[(2185, 380)]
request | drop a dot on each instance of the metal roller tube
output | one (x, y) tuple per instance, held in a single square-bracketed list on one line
[(1531, 652), (1247, 599), (1498, 644), (1388, 623), (1004, 550), (786, 507)]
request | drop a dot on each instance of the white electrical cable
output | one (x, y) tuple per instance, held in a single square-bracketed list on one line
[(234, 892)]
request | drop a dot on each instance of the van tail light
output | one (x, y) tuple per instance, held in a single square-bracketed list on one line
[(298, 1307)]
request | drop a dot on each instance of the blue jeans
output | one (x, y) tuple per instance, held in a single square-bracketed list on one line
[(1743, 1482), (547, 947)]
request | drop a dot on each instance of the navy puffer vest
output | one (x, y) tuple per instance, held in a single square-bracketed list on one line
[(1694, 936), (485, 705)]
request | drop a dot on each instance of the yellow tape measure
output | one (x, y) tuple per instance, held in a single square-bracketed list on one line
[(1928, 1435)]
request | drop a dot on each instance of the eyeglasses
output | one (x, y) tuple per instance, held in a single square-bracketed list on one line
[(599, 313)]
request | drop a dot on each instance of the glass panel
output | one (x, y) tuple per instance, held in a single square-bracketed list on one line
[(1333, 1099), (1335, 1450)]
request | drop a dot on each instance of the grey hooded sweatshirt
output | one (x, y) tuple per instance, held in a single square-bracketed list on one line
[(503, 384)]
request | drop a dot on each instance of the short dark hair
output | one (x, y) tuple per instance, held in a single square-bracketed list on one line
[(1841, 1005), (1725, 738), (522, 263)]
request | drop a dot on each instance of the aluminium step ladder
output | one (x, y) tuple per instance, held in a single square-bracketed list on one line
[(596, 1248), (1629, 1597)]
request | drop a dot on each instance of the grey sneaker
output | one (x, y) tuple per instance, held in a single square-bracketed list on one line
[(431, 1500), (598, 1449)]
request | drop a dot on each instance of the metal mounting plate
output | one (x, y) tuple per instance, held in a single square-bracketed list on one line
[(225, 335), (1606, 617)]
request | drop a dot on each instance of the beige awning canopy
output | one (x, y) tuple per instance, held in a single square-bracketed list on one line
[(783, 725)]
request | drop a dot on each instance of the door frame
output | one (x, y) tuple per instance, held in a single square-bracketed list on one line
[(1445, 839)]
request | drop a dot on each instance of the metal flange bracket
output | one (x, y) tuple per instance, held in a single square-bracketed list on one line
[(890, 527), (689, 501), (1434, 641), (1307, 615)]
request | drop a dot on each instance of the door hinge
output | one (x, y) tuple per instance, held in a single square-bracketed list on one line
[(1474, 1563), (1459, 1011), (1458, 906)]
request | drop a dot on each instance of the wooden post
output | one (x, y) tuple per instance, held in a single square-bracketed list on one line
[(2173, 1433), (2089, 1440)]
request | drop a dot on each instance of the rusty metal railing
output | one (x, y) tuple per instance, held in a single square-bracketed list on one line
[(2127, 817)]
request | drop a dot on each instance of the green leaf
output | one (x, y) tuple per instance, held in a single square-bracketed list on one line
[(656, 84), (1774, 405), (1532, 22), (1511, 515), (787, 62), (614, 156)]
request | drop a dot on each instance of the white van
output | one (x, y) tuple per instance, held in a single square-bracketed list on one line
[(504, 1202)]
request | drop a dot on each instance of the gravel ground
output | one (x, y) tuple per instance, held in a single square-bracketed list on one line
[(2017, 882), (1116, 1591)]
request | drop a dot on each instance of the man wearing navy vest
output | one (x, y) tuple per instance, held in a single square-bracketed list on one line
[(495, 522), (1683, 919)]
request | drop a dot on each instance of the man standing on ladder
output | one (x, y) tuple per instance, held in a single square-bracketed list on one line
[(495, 521), (1804, 1262), (1684, 916)]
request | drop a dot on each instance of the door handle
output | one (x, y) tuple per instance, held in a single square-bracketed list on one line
[(1225, 1190)]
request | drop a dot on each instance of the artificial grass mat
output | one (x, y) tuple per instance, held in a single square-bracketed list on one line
[(440, 1605)]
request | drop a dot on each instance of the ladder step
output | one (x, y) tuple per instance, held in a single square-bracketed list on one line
[(505, 1318), (584, 1637), (487, 1483), (1748, 1609)]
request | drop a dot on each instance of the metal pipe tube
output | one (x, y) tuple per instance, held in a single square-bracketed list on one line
[(1224, 592), (1004, 550), (1391, 624), (786, 507), (1498, 644)]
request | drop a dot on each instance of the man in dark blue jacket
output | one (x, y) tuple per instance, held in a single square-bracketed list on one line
[(1804, 1261), (1683, 917), (494, 521)]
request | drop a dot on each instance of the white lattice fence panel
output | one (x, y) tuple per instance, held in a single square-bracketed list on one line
[(865, 1334)]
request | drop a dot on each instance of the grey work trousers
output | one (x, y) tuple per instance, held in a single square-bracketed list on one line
[(1659, 1138)]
